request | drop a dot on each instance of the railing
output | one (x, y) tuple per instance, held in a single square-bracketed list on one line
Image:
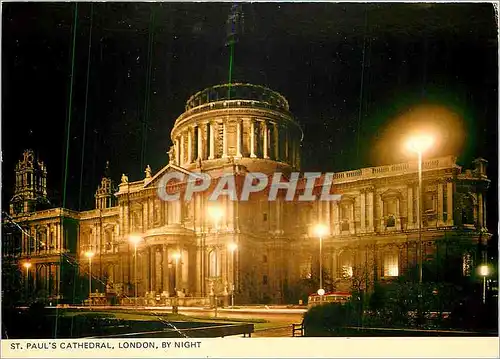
[(237, 91), (392, 170), (221, 105)]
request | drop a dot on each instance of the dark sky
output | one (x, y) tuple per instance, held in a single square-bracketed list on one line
[(443, 55)]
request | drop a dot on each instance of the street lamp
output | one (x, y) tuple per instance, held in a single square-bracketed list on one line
[(216, 213), (420, 144), (27, 265), (89, 255), (484, 271), (135, 239), (320, 230), (232, 248)]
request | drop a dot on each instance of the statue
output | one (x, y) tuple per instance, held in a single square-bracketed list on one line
[(124, 178), (148, 172), (171, 155)]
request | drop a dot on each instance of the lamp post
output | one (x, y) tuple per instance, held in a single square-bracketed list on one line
[(484, 271), (232, 248), (419, 144), (320, 230), (216, 214), (27, 265), (134, 239), (89, 255)]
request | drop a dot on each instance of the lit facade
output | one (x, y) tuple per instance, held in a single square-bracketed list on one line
[(258, 248)]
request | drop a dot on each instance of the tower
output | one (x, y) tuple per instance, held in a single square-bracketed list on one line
[(30, 193), (104, 195)]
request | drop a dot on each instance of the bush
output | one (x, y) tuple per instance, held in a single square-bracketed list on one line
[(327, 319)]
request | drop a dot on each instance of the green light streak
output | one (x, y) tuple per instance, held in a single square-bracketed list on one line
[(70, 106), (231, 61)]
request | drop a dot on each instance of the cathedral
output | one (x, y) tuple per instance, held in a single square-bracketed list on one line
[(137, 248)]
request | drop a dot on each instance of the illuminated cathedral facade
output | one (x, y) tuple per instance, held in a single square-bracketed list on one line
[(256, 250)]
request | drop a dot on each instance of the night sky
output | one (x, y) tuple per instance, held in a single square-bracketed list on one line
[(422, 62)]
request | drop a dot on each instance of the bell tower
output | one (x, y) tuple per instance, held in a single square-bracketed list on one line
[(30, 191), (104, 197)]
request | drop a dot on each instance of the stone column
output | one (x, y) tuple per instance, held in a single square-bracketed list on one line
[(265, 143), (334, 263), (152, 268), (362, 200), (370, 210), (238, 138), (211, 156), (336, 217), (381, 212), (449, 205), (200, 142), (252, 139), (189, 145), (181, 151), (276, 141), (178, 152), (145, 218), (199, 272), (440, 204), (352, 225), (59, 245), (224, 139), (398, 214), (165, 272), (480, 206), (409, 207)]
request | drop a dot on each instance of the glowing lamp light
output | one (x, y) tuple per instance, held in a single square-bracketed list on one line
[(27, 265), (232, 247), (321, 291), (484, 270), (216, 213), (420, 143), (176, 256), (134, 239), (320, 230), (89, 254)]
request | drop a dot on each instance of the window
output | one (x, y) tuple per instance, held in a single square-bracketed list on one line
[(391, 221), (264, 259), (391, 268), (345, 225), (264, 280), (429, 202), (467, 265), (264, 217)]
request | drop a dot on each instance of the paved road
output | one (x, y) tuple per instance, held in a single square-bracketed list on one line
[(279, 319)]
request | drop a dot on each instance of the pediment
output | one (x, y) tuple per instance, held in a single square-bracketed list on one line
[(155, 180), (391, 193)]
